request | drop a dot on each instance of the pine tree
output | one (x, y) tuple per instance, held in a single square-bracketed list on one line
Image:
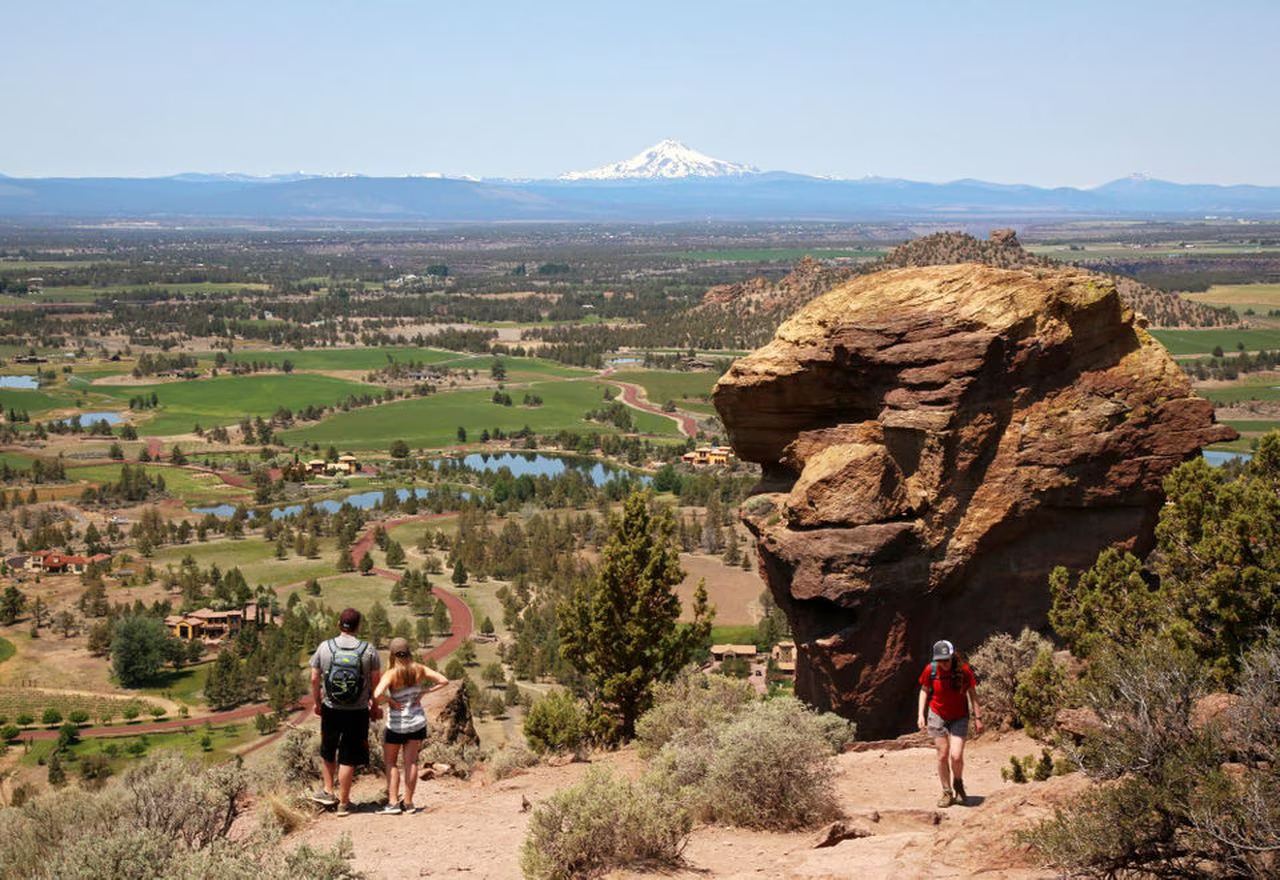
[(621, 629)]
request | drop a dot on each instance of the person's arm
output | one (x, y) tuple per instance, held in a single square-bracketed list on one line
[(384, 684), (317, 703), (375, 711), (438, 678), (921, 704), (975, 712)]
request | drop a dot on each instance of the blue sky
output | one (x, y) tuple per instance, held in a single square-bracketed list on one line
[(1068, 93)]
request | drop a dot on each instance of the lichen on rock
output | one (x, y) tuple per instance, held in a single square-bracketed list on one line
[(933, 441)]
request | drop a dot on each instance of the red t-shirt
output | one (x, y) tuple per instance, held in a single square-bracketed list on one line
[(949, 690)]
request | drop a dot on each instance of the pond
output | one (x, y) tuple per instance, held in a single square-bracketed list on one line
[(1218, 457), (90, 418), (536, 465), (359, 500), (25, 383)]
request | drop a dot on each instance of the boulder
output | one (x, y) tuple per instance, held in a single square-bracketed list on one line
[(935, 440)]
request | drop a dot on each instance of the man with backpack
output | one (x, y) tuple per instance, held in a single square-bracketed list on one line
[(948, 698), (344, 670)]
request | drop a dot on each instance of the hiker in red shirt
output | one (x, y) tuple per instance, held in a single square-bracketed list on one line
[(948, 697)]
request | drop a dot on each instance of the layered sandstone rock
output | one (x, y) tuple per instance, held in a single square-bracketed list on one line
[(933, 441)]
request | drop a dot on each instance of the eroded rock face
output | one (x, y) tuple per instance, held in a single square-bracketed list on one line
[(934, 441)]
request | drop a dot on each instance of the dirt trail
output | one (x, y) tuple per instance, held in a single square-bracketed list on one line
[(475, 828), (634, 396)]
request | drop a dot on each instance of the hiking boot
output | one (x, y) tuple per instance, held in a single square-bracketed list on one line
[(324, 798), (409, 809), (390, 809), (961, 797), (344, 810), (947, 798)]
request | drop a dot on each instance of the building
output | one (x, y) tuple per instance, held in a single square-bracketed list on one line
[(708, 456), (783, 656), (720, 652), (209, 625), (53, 562)]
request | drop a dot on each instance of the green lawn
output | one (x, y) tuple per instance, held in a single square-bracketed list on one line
[(227, 399), (193, 487), (1184, 342), (343, 358), (120, 749), (34, 401), (432, 422), (360, 591), (1254, 390)]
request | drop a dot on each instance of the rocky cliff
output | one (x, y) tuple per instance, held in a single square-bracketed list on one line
[(933, 441)]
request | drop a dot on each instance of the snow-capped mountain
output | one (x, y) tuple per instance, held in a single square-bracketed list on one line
[(664, 160)]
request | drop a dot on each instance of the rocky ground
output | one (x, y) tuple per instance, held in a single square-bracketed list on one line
[(475, 828)]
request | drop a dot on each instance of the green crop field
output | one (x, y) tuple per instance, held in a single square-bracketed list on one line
[(1251, 390), (1186, 342), (34, 402), (1253, 427), (17, 460), (432, 422), (15, 700), (227, 399)]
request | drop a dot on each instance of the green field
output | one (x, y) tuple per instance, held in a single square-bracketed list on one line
[(256, 560), (193, 487), (432, 422), (6, 649), (34, 401), (14, 700), (72, 293), (121, 749), (1202, 342), (227, 399), (662, 385), (1252, 427), (342, 358), (1254, 390)]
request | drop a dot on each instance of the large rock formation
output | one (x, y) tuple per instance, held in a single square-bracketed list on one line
[(933, 441)]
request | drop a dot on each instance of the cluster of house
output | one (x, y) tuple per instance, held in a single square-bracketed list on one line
[(346, 464), (783, 655), (212, 626), (54, 562), (706, 456)]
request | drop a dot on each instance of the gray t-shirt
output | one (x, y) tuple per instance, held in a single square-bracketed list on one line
[(369, 660)]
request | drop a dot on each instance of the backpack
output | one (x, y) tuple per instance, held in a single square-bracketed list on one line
[(344, 679)]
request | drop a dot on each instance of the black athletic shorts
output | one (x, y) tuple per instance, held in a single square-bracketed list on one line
[(392, 738), (344, 735)]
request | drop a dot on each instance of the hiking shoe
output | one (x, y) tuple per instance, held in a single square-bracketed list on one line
[(961, 797), (324, 798), (390, 809), (344, 809), (947, 798), (409, 809)]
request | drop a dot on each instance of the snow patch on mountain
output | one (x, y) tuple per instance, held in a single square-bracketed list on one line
[(668, 159)]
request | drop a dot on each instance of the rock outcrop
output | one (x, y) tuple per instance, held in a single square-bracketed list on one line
[(933, 441)]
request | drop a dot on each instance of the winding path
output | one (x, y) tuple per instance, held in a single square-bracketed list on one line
[(634, 397)]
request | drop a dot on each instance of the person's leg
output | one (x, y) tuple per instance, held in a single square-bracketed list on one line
[(391, 754), (956, 747), (411, 770), (327, 771), (346, 773), (943, 746)]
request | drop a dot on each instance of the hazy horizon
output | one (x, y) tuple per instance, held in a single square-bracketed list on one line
[(1007, 93)]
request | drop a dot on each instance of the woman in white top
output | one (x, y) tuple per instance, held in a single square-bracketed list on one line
[(403, 685)]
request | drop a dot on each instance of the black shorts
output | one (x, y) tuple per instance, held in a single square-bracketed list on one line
[(391, 738), (344, 735)]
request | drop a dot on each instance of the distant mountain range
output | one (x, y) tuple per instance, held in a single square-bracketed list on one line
[(668, 182)]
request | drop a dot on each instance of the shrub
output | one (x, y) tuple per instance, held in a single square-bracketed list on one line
[(24, 719), (10, 732), (1041, 692), (298, 754), (771, 769), (555, 724), (78, 716), (95, 769), (691, 703), (600, 824), (51, 716), (511, 760), (998, 663)]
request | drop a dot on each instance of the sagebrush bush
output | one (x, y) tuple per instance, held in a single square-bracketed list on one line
[(299, 756), (998, 663), (555, 724), (167, 817), (511, 760), (691, 703), (772, 769), (1042, 690), (603, 822)]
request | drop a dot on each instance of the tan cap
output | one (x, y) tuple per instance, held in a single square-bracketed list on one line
[(399, 646)]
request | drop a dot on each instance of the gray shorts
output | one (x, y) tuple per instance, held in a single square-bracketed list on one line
[(938, 727)]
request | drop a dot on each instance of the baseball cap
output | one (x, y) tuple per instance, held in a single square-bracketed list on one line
[(943, 650)]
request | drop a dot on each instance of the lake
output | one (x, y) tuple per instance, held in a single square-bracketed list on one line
[(537, 465), (1217, 457), (25, 383)]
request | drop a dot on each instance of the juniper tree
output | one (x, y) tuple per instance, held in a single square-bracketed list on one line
[(621, 628)]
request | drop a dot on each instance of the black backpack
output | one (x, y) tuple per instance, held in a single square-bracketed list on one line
[(344, 679)]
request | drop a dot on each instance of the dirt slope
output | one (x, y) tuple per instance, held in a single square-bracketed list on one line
[(475, 828)]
